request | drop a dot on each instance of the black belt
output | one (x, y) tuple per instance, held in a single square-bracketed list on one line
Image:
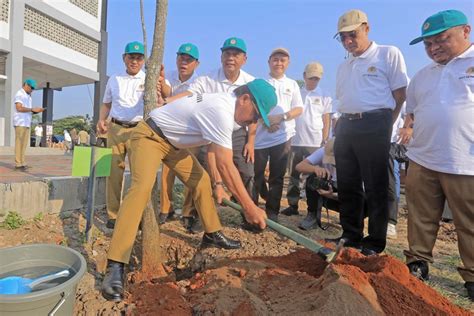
[(361, 115), (158, 130), (124, 123)]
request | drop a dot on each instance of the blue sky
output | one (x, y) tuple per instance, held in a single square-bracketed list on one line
[(305, 27)]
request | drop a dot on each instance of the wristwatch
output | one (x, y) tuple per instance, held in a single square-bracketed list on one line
[(285, 116)]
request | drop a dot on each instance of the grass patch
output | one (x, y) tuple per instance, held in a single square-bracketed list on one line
[(13, 220)]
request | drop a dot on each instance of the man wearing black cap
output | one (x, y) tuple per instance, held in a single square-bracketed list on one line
[(440, 100)]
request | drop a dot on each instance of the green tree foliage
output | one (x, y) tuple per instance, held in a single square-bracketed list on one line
[(78, 122)]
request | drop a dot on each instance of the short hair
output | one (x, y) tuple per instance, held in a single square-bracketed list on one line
[(242, 90)]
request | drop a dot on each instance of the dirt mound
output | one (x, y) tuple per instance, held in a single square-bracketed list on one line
[(298, 283)]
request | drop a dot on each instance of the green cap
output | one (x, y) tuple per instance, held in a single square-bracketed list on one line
[(234, 42), (189, 49), (265, 96), (134, 48), (31, 82), (440, 22)]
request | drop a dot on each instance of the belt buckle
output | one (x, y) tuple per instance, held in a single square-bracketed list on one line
[(355, 116)]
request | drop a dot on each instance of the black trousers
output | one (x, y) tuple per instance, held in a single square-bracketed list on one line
[(278, 156), (361, 149), (246, 170), (298, 154), (316, 202)]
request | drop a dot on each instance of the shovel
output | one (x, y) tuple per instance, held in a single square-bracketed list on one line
[(18, 285), (327, 254)]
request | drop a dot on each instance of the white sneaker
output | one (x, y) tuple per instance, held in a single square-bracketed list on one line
[(391, 231)]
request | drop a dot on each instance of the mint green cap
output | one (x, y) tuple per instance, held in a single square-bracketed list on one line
[(265, 96), (134, 48), (234, 42), (31, 82), (189, 49), (440, 22)]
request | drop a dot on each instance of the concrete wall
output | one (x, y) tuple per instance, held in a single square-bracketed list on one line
[(52, 195)]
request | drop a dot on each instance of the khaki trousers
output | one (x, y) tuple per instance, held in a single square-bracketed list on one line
[(167, 183), (149, 150), (119, 141), (426, 192), (22, 137)]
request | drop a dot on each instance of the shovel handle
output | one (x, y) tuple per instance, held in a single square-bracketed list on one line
[(50, 277), (326, 253)]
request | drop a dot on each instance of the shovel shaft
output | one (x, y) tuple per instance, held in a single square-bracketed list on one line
[(310, 244)]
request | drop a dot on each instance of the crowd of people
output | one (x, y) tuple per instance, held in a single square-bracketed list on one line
[(219, 132)]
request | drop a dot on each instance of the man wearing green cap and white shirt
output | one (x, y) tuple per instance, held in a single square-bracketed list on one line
[(227, 79), (440, 100), (22, 121), (273, 144), (178, 81), (370, 88), (123, 103), (202, 119)]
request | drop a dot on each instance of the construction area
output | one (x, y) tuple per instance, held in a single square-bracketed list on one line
[(270, 275)]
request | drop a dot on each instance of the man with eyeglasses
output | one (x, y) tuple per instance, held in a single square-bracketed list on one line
[(178, 81), (440, 101), (123, 103), (370, 88), (200, 119)]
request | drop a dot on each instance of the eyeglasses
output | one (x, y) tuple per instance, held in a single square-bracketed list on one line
[(352, 35)]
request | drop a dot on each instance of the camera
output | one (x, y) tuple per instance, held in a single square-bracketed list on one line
[(315, 183)]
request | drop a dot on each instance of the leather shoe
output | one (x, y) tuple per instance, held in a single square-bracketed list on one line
[(218, 240), (110, 224), (368, 252), (112, 286), (309, 221), (191, 224), (347, 242), (419, 269), (290, 210), (470, 290), (273, 216)]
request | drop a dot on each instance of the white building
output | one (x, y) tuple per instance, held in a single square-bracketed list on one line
[(58, 43)]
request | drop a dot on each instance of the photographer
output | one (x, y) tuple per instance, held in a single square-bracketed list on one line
[(321, 188)]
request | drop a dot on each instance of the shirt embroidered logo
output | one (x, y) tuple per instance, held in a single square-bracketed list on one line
[(372, 69), (470, 71)]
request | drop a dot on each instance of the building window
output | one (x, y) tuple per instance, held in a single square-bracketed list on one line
[(90, 6), (44, 26)]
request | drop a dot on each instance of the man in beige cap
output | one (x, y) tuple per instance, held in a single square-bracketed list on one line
[(371, 88), (273, 143), (312, 129)]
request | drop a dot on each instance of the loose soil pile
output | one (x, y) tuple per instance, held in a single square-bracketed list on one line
[(298, 283)]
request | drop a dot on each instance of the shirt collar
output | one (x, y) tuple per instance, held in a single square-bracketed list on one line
[(279, 79), (372, 47), (239, 82), (468, 53), (175, 77), (139, 75)]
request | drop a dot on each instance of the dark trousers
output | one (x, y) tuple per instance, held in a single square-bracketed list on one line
[(392, 191), (316, 202), (361, 149), (278, 156), (298, 154), (239, 139)]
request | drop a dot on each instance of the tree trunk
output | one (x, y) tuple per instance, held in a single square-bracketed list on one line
[(151, 256)]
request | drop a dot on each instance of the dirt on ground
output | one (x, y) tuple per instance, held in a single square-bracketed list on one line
[(269, 275)]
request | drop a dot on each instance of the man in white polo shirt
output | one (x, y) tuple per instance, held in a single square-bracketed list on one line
[(226, 79), (440, 100), (274, 142), (22, 121), (123, 103), (370, 88), (201, 119), (312, 129), (178, 81)]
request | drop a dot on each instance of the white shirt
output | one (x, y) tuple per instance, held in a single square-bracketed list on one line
[(125, 92), (366, 82), (38, 130), (22, 118), (198, 120), (67, 136), (216, 82), (398, 124), (309, 125), (289, 97), (177, 87), (441, 97)]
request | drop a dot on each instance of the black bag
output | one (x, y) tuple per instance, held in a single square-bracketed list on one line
[(398, 152)]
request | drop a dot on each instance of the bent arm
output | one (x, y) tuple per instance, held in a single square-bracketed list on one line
[(400, 96)]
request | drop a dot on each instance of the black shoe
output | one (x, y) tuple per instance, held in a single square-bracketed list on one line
[(290, 210), (368, 252), (470, 290), (419, 269), (190, 223), (347, 243), (273, 216), (21, 168), (309, 222), (110, 224), (164, 217), (112, 286), (218, 240)]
